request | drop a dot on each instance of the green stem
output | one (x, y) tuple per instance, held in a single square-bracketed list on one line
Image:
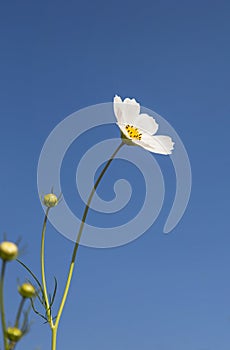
[(66, 290), (2, 305), (12, 344), (43, 270), (19, 311), (54, 338)]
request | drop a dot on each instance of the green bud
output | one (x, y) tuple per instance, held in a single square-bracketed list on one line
[(27, 290), (13, 334), (50, 200), (8, 251)]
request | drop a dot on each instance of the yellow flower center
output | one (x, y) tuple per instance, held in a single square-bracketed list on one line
[(133, 132)]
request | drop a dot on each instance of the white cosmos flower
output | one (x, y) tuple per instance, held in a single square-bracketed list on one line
[(139, 127)]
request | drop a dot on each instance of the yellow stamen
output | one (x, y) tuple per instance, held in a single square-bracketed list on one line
[(133, 132)]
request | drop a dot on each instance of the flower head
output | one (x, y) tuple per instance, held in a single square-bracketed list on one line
[(8, 251), (139, 128), (27, 290), (14, 334), (50, 200)]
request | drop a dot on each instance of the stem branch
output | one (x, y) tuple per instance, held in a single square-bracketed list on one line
[(2, 304), (19, 311), (49, 316)]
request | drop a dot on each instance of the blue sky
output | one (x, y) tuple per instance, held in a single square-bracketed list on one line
[(161, 292)]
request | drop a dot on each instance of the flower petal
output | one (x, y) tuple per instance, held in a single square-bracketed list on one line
[(117, 102), (146, 123), (161, 144), (131, 109), (127, 110)]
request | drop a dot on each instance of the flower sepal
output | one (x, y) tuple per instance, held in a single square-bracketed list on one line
[(126, 140)]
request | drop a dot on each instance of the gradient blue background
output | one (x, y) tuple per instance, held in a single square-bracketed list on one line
[(161, 292)]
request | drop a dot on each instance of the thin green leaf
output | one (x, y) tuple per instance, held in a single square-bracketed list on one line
[(41, 299), (36, 312), (54, 292), (32, 274)]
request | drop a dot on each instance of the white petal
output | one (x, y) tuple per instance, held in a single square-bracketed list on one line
[(158, 144), (127, 110), (146, 123), (131, 109), (117, 102)]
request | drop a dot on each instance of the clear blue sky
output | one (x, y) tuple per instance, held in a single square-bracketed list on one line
[(161, 292)]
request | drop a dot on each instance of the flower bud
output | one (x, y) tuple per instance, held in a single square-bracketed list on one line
[(50, 200), (13, 334), (8, 251), (27, 290)]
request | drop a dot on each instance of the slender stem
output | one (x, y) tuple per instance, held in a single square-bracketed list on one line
[(43, 269), (19, 311), (77, 243), (12, 344), (2, 304), (54, 338)]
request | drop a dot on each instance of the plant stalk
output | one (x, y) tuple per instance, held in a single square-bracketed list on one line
[(19, 312), (48, 312), (74, 254), (3, 319)]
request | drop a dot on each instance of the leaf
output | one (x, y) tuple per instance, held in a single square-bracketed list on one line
[(32, 274), (54, 292), (36, 312)]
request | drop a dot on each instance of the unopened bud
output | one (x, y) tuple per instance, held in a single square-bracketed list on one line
[(8, 251), (27, 290), (50, 200), (13, 334)]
